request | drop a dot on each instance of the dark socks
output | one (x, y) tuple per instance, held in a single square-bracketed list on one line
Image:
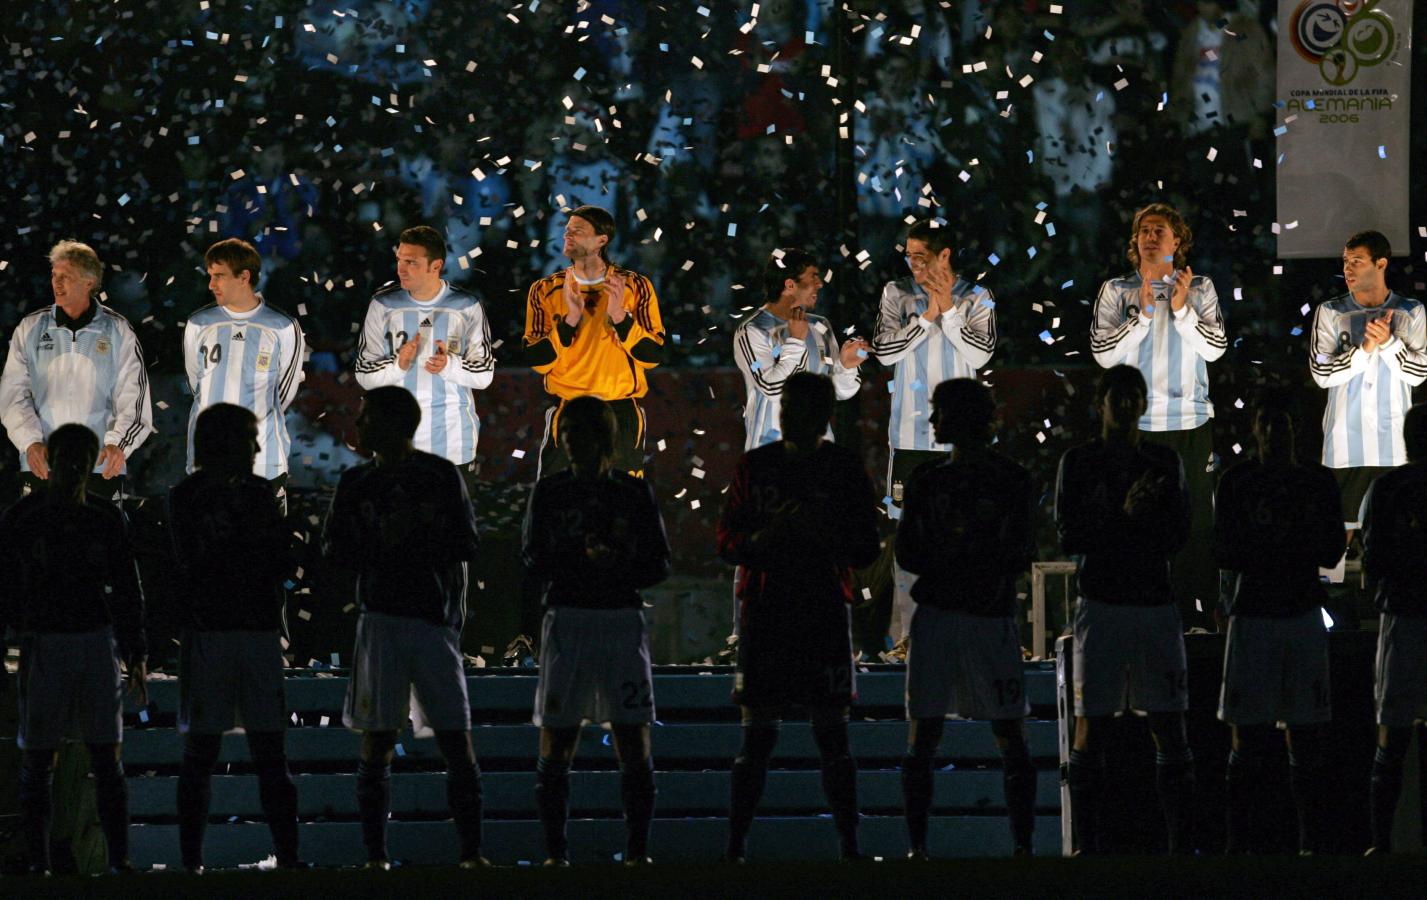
[(1174, 778), (552, 800), (1240, 797), (278, 796), (111, 796), (636, 787), (750, 773), (463, 796), (1086, 774), (1018, 775), (839, 771), (36, 809), (195, 778), (374, 802), (917, 787), (1385, 791), (1305, 780)]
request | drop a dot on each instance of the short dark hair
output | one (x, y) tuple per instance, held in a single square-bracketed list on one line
[(218, 437), (1182, 233), (396, 409), (808, 403), (592, 419), (1118, 378), (1273, 424), (936, 237), (968, 408), (1414, 432), (238, 255), (1374, 242), (72, 451), (428, 239), (601, 221), (785, 263)]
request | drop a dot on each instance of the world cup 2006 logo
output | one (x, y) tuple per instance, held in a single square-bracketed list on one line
[(1342, 36)]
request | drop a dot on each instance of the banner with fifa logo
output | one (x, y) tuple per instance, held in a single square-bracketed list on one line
[(1344, 80)]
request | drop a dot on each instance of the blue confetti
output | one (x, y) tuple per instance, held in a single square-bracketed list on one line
[(1381, 152), (732, 229), (1046, 337), (993, 259), (918, 385), (1030, 156), (1280, 131), (1050, 228), (988, 303), (579, 73), (1070, 283), (1296, 331), (1310, 104), (1041, 205), (143, 715), (400, 750), (1031, 252), (861, 354)]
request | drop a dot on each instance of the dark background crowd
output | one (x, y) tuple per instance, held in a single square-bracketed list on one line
[(319, 130)]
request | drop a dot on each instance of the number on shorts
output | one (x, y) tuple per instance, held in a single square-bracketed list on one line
[(1178, 682), (1008, 690), (637, 694)]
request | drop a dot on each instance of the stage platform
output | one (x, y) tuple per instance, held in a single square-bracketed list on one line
[(694, 743)]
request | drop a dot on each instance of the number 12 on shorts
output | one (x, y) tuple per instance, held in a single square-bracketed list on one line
[(637, 694)]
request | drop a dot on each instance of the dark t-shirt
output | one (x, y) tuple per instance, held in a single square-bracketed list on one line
[(1123, 558), (595, 542), (1274, 526), (405, 529), (798, 525), (966, 532), (1395, 539), (69, 567), (233, 549)]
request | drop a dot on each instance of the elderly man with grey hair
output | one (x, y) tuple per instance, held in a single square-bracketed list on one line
[(75, 360)]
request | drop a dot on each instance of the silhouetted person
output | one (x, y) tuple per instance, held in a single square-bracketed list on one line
[(234, 552), (1395, 557), (1122, 510), (800, 515), (404, 525), (966, 534), (594, 538), (1277, 519), (71, 592)]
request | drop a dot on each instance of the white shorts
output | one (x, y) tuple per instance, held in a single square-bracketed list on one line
[(965, 666), (406, 667), (230, 679), (1128, 656), (594, 667), (1400, 676), (1276, 671), (70, 689)]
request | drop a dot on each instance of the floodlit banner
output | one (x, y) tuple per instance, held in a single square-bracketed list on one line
[(1344, 77)]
